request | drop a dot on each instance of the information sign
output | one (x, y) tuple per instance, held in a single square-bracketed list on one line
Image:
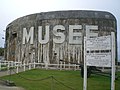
[(98, 51)]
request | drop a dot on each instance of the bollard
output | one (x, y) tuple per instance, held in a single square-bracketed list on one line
[(0, 66), (34, 65), (17, 69), (29, 66), (24, 66)]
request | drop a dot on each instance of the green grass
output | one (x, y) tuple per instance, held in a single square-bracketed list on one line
[(65, 80)]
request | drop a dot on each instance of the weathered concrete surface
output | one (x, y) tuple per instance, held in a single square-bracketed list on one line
[(51, 53)]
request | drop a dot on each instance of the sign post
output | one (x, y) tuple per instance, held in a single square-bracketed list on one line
[(85, 67), (113, 61), (100, 51)]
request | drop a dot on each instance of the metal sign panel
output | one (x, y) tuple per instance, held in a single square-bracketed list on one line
[(98, 51)]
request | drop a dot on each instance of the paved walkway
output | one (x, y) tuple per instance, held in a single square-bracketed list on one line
[(10, 88), (4, 87), (13, 71)]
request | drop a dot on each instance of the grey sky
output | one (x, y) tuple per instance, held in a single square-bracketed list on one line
[(12, 9)]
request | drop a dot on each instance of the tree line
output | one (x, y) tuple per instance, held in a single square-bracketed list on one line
[(1, 51)]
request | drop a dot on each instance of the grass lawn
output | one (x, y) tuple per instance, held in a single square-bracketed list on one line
[(40, 79)]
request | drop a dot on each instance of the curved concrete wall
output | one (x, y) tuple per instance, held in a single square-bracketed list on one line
[(49, 37)]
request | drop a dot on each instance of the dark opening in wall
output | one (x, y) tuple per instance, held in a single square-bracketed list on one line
[(14, 34)]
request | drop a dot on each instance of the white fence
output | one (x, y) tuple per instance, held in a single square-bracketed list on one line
[(7, 65)]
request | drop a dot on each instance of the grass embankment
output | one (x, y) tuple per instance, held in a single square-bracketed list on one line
[(40, 79)]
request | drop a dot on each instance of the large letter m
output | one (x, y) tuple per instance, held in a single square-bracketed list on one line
[(28, 36)]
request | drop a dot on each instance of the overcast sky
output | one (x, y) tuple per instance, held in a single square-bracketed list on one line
[(13, 9)]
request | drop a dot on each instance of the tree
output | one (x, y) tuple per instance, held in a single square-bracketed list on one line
[(1, 51)]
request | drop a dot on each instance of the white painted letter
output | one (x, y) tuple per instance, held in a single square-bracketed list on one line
[(26, 36), (46, 34), (75, 37), (60, 37), (89, 32)]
